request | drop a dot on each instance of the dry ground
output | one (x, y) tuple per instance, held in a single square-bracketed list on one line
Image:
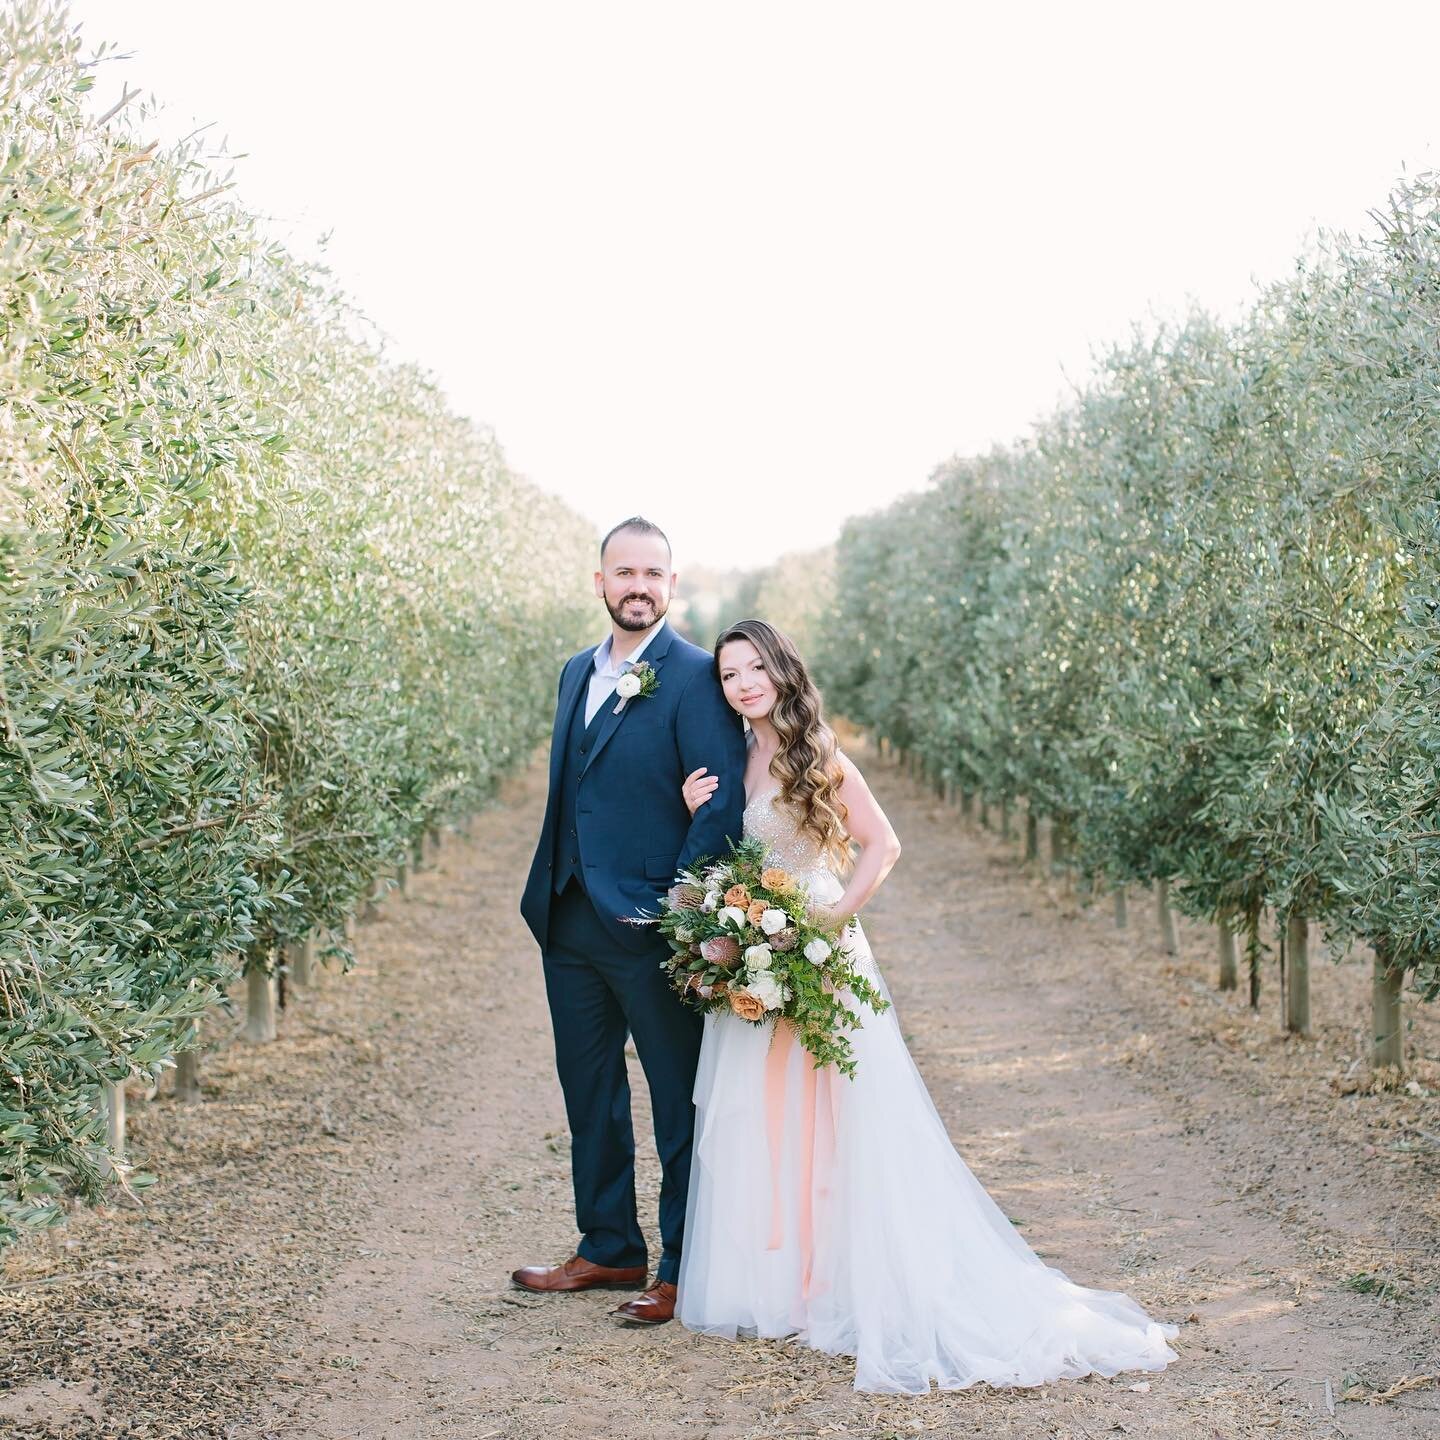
[(327, 1253)]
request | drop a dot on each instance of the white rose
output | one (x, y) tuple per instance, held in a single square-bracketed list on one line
[(768, 990), (734, 915), (712, 899), (817, 952), (758, 957), (772, 922), (628, 685)]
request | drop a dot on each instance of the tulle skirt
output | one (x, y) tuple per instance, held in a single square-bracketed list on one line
[(837, 1212)]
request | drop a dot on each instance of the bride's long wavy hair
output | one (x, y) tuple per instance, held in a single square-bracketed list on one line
[(804, 763)]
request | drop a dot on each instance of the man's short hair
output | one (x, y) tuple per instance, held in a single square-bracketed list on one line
[(640, 525)]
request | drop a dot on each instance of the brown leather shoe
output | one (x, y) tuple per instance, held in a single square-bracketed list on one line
[(655, 1306), (577, 1273)]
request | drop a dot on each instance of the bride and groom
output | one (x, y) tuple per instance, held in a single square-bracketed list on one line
[(793, 1202)]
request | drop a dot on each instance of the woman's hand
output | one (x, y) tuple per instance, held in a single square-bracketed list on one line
[(828, 918), (698, 788)]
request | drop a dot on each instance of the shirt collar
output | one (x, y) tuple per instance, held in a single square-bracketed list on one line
[(602, 653)]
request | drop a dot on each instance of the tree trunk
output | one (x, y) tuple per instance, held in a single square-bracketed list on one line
[(300, 961), (1166, 917), (967, 803), (1387, 1028), (984, 813), (1122, 908), (1252, 957), (1297, 975), (1006, 831), (370, 911), (187, 1077), (259, 1006), (1032, 834), (1225, 948), (113, 1100), (402, 876)]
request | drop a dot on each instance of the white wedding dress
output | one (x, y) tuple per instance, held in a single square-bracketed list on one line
[(838, 1212)]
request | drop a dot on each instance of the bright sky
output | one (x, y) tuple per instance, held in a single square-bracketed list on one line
[(752, 268)]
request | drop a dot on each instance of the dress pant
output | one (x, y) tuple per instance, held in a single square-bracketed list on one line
[(597, 993)]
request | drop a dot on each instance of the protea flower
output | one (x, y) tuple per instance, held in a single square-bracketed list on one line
[(720, 950), (685, 897)]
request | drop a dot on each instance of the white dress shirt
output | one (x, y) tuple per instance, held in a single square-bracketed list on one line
[(605, 675)]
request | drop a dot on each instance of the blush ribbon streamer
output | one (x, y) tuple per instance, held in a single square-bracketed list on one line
[(819, 1098)]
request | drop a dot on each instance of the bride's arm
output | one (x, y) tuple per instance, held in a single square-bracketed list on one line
[(879, 846)]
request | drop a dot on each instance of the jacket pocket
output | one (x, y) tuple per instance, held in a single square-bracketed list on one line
[(660, 867)]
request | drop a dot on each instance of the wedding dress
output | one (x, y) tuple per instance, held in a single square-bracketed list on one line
[(837, 1211)]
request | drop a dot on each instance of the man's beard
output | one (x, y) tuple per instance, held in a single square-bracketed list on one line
[(617, 613)]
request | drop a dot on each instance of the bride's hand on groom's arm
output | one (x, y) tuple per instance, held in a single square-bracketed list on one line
[(699, 786)]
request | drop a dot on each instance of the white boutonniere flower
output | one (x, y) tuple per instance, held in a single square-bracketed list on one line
[(640, 680)]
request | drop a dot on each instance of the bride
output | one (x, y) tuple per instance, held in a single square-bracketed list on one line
[(836, 1210)]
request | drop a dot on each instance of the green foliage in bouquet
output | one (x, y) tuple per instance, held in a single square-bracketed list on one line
[(743, 940)]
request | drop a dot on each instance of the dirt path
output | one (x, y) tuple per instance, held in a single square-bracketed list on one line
[(343, 1271)]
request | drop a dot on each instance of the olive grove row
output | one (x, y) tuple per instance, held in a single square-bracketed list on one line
[(1194, 617), (269, 612)]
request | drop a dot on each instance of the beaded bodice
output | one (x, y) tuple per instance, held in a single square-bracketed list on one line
[(803, 858), (790, 849)]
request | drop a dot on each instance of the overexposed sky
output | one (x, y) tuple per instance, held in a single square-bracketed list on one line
[(752, 268)]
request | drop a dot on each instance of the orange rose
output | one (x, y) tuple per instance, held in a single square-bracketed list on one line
[(746, 1005), (775, 879), (737, 895), (757, 909)]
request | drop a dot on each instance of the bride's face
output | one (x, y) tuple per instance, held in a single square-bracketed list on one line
[(743, 677)]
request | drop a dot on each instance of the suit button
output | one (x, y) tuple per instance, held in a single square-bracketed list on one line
[(549, 864), (572, 833), (583, 749), (574, 859)]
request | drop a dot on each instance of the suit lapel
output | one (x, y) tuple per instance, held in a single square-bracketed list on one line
[(610, 722), (575, 687)]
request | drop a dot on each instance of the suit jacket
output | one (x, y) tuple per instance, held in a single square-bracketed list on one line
[(634, 831)]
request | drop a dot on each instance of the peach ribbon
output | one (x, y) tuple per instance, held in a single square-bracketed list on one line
[(818, 1096)]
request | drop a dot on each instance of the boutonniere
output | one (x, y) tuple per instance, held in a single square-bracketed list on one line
[(640, 679)]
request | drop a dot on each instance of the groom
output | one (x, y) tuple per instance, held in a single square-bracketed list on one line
[(616, 830)]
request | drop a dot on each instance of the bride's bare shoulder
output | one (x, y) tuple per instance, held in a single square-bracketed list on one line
[(849, 770)]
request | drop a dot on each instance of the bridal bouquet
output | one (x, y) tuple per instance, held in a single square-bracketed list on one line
[(742, 938)]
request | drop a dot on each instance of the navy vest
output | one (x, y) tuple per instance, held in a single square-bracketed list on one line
[(578, 741)]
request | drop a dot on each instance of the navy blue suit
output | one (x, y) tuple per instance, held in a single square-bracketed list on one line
[(615, 832)]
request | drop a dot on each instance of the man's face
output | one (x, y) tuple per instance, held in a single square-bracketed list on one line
[(635, 580)]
